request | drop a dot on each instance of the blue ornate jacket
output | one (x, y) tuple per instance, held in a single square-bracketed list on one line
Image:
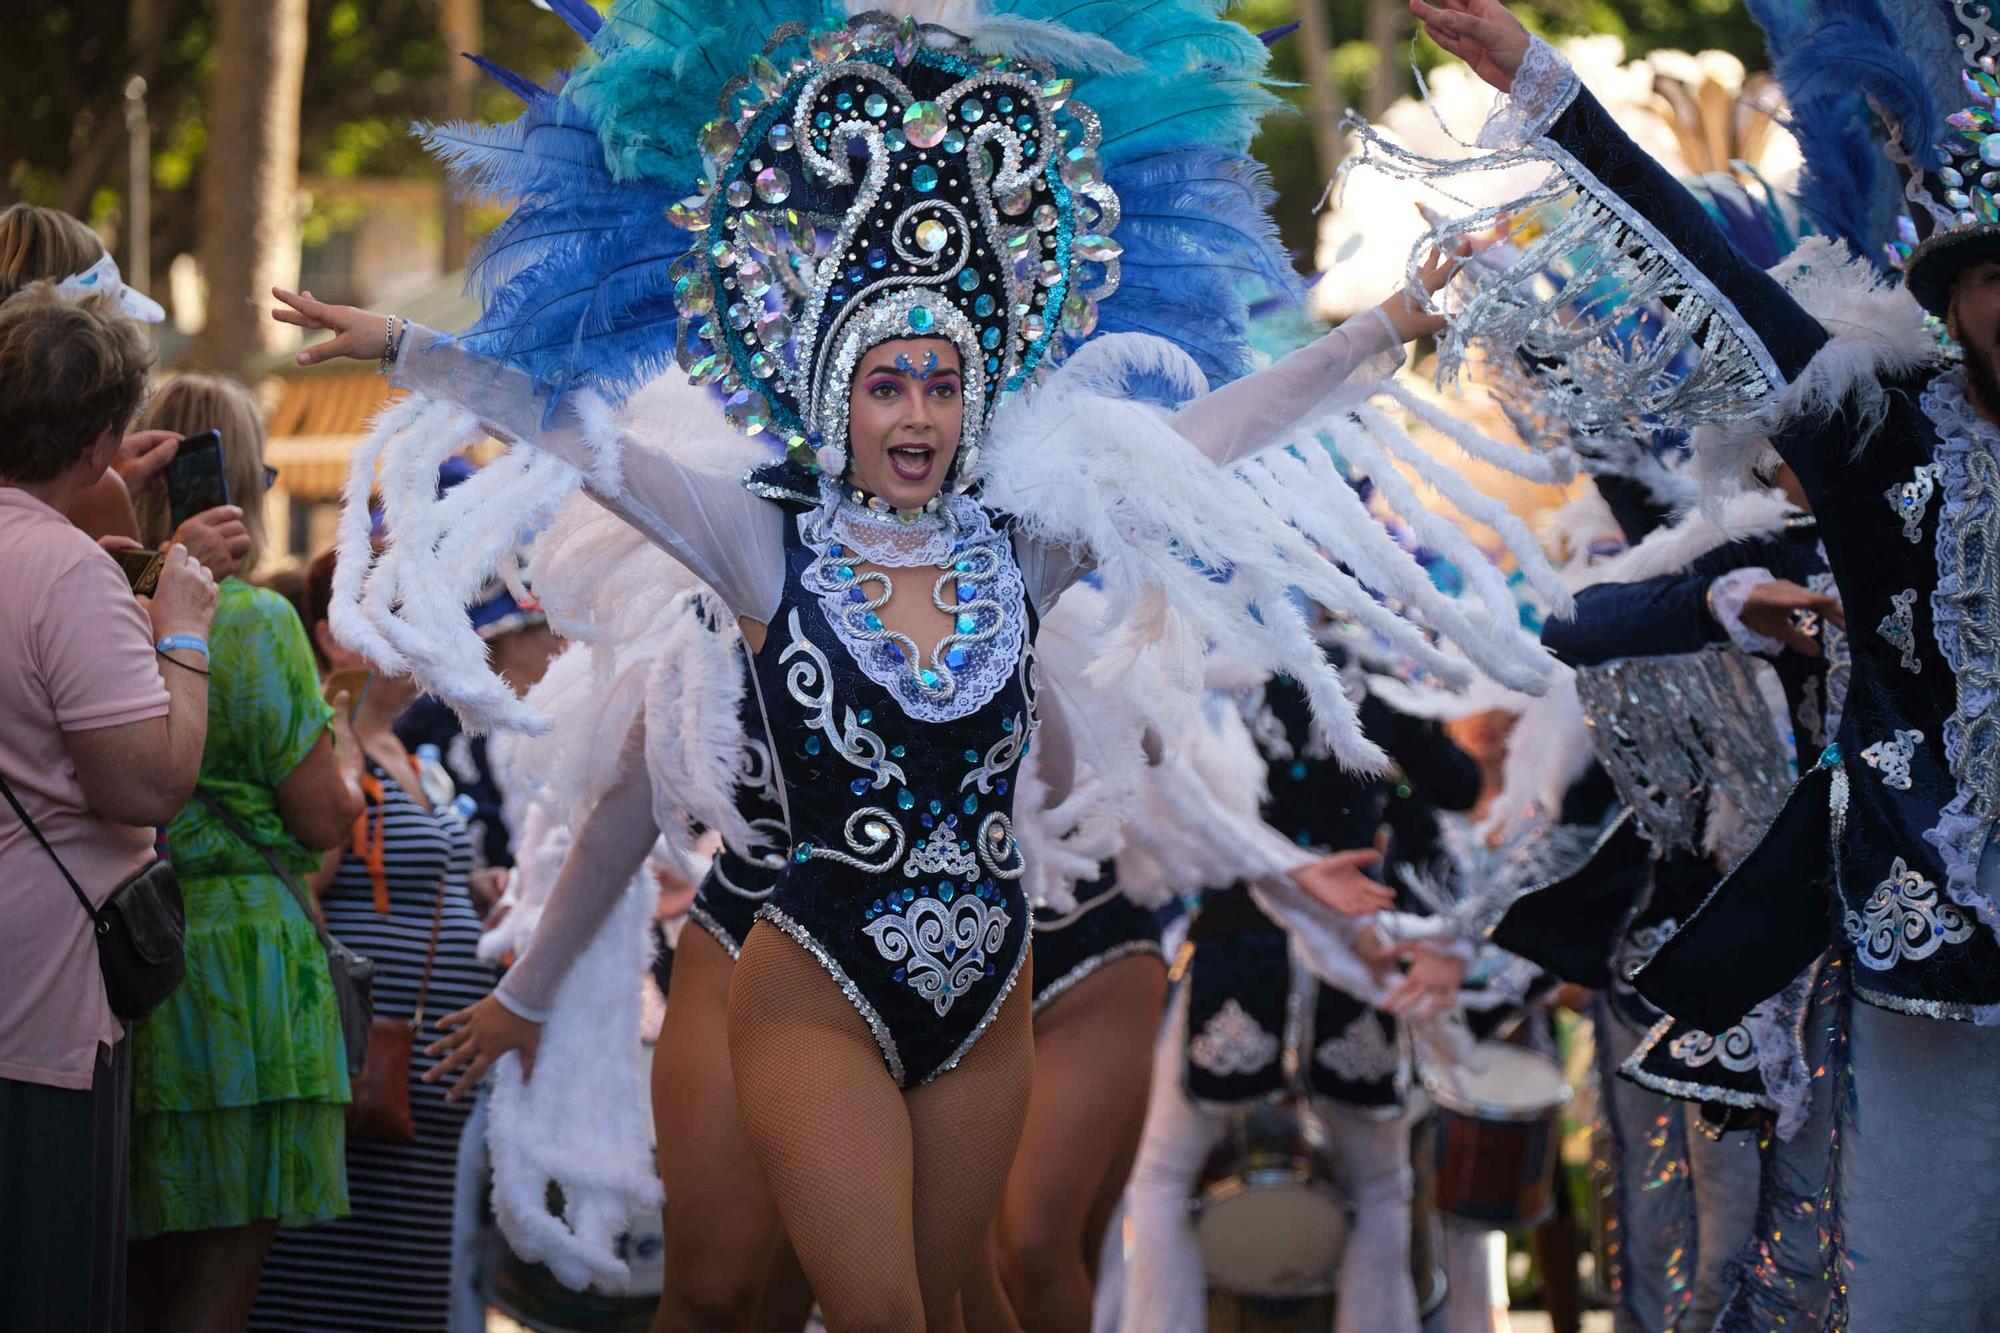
[(1900, 806)]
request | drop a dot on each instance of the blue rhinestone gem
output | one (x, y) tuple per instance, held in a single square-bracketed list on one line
[(835, 550), (972, 756), (812, 745), (824, 120), (1007, 724), (872, 620), (921, 318), (955, 659), (895, 655), (968, 592), (802, 853), (896, 752), (1298, 771), (924, 178), (971, 112), (971, 805), (859, 786), (928, 822), (967, 280), (929, 678), (905, 801), (954, 142), (1006, 104), (967, 624), (1025, 122), (962, 567), (898, 974), (984, 306), (946, 893), (845, 101), (909, 895), (845, 571), (990, 339), (856, 274), (999, 786), (877, 259), (992, 365), (856, 595), (937, 807), (866, 716)]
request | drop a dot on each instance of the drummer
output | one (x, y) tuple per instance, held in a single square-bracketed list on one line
[(1252, 1022)]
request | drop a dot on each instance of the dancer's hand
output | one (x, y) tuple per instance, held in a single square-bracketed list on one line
[(1480, 32), (1338, 882), (1784, 611), (356, 333), (1406, 314), (476, 1037), (1430, 986)]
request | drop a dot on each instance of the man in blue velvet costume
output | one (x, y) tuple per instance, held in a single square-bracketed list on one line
[(1899, 455)]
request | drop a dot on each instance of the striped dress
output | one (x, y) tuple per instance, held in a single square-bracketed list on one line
[(388, 1265)]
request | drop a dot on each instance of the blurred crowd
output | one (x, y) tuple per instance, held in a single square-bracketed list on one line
[(238, 1155)]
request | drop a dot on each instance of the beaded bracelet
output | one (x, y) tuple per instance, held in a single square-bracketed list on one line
[(392, 338)]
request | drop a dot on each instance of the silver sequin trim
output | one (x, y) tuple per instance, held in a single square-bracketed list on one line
[(1232, 1043), (985, 1019), (1361, 1052), (1912, 499), (803, 937), (1904, 920), (1056, 989), (702, 917), (1899, 628), (1891, 758)]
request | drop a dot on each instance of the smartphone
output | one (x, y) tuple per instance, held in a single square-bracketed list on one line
[(142, 569), (352, 679), (194, 478)]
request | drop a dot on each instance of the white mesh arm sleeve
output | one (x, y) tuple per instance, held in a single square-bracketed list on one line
[(607, 852), (1343, 369), (730, 539)]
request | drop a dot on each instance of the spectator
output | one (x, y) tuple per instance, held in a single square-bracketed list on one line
[(388, 1265), (521, 645), (46, 243), (239, 1082), (103, 710)]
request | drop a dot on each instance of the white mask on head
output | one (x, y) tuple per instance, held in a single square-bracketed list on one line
[(103, 276)]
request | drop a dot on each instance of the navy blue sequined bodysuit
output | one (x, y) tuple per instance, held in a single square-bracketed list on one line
[(729, 896), (904, 876)]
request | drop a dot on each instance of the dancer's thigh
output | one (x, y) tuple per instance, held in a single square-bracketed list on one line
[(721, 1225), (829, 1128), (966, 1125)]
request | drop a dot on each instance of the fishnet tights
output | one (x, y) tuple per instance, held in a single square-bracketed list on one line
[(868, 1177), (720, 1223), (1093, 1066)]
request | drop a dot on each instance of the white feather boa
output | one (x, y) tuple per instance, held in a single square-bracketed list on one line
[(1877, 331)]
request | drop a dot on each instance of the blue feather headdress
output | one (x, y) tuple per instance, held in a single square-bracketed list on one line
[(578, 286)]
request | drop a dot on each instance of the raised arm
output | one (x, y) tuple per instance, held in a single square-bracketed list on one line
[(1346, 365), (1616, 171), (706, 520)]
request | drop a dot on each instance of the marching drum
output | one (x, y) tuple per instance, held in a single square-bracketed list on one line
[(1270, 1220), (1499, 1132)]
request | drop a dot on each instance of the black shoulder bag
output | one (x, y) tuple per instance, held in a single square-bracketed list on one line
[(353, 976), (139, 930)]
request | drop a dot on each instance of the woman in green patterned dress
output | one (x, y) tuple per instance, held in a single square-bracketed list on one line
[(239, 1081)]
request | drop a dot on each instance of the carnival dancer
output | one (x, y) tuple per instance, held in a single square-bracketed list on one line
[(1252, 1022), (906, 169), (1900, 520)]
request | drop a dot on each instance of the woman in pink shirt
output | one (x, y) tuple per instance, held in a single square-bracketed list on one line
[(103, 712)]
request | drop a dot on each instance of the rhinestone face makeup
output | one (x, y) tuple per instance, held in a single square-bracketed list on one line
[(870, 183)]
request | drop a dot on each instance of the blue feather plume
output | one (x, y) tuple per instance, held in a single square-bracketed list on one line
[(582, 19), (520, 85), (1833, 58)]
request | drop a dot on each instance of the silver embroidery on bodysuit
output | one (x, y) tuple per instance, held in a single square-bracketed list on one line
[(811, 683), (942, 946), (1912, 499), (1892, 758), (1361, 1052), (873, 836), (1899, 628), (1733, 1048), (997, 847), (1903, 920), (939, 854), (1232, 1042)]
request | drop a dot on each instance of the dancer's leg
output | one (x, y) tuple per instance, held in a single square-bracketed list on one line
[(966, 1126), (1093, 1059), (830, 1130), (1373, 1158), (720, 1222)]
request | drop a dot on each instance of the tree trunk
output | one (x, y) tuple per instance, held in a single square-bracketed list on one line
[(249, 177), (1316, 50), (1388, 32), (458, 26)]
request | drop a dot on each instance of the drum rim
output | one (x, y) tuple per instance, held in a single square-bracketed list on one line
[(1448, 1099), (1234, 1186)]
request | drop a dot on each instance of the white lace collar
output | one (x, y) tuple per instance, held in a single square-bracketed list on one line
[(974, 577)]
